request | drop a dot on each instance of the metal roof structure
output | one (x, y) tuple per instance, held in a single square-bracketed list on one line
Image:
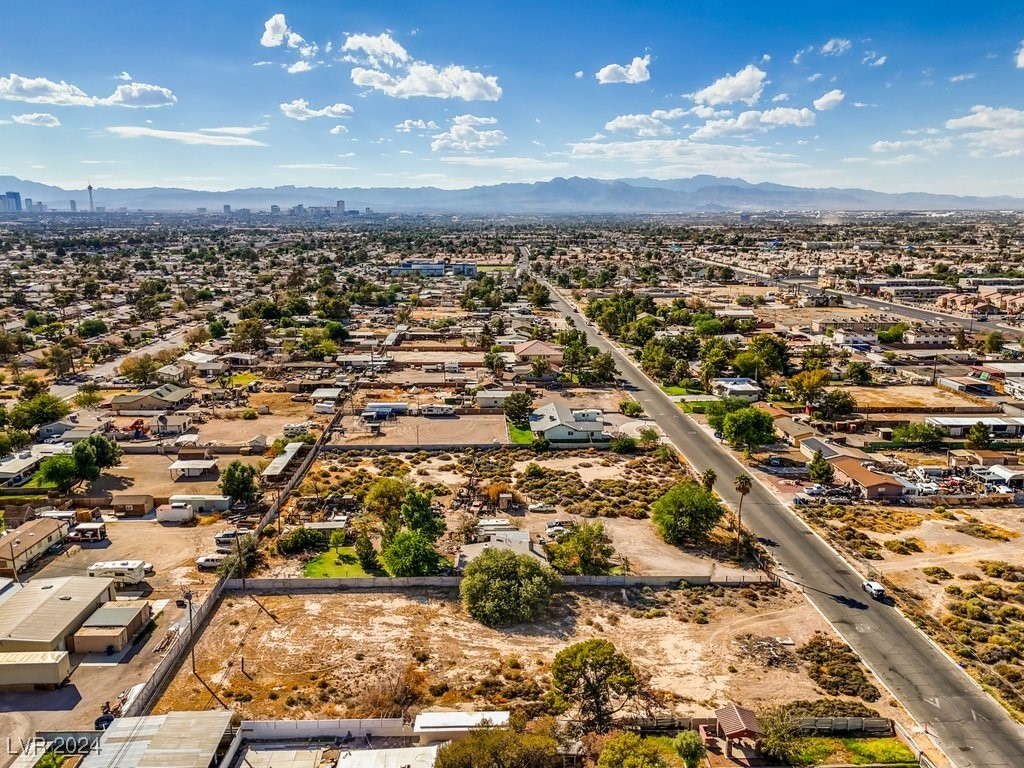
[(44, 610), (402, 757), (174, 740), (117, 614)]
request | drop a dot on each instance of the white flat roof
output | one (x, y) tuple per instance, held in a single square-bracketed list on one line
[(194, 464), (448, 721), (403, 757)]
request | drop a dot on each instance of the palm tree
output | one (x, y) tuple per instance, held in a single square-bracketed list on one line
[(742, 484), (708, 478)]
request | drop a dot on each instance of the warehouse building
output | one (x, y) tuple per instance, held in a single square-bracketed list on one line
[(45, 613), (174, 740)]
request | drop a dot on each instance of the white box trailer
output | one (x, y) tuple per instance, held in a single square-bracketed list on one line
[(29, 670), (437, 410), (203, 504), (323, 408), (179, 512)]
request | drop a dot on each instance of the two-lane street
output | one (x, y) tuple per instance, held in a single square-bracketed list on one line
[(973, 730)]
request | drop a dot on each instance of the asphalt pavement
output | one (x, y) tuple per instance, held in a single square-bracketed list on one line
[(973, 730)]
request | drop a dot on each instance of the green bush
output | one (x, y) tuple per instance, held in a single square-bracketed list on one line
[(300, 540)]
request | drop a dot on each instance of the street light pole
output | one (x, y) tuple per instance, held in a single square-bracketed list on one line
[(191, 637)]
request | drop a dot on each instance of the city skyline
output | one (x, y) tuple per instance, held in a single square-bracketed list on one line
[(897, 99)]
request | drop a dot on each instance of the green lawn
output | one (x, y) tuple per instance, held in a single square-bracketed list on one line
[(817, 750), (342, 564), (38, 482), (241, 379), (677, 390), (520, 435), (696, 407)]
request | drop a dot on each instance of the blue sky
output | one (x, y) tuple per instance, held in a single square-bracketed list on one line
[(895, 96)]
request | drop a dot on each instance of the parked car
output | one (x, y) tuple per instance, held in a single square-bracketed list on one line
[(210, 561), (873, 588), (541, 507), (815, 490)]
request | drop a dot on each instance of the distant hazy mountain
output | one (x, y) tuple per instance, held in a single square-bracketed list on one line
[(559, 195)]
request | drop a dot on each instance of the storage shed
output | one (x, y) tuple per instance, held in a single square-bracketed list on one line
[(131, 505), (112, 625)]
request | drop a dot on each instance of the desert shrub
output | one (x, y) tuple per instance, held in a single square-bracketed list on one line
[(836, 668)]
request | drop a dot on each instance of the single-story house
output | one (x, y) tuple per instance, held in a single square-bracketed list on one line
[(131, 504), (514, 541), (560, 424), (528, 351), (162, 398), (74, 421), (212, 368), (873, 485), (170, 424), (740, 387), (492, 398)]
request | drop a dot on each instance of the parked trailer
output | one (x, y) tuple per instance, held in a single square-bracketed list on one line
[(437, 410), (398, 408), (123, 572)]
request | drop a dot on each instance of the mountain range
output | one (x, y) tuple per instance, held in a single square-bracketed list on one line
[(574, 195)]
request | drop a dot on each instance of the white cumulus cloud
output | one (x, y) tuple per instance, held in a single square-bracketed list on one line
[(1019, 56), (184, 137), (992, 131), (124, 76), (339, 129), (962, 77), (380, 50), (39, 90), (450, 82), (407, 125), (464, 136), (274, 31), (642, 126), (829, 100), (746, 86), (38, 119), (754, 120), (298, 67), (634, 72), (578, 74), (836, 46), (299, 110)]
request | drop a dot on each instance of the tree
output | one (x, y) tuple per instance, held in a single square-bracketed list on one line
[(500, 587), (584, 550), (859, 373), (419, 515), (61, 471), (242, 559), (836, 402), (749, 427), (409, 553), (88, 395), (539, 367), (743, 484), (686, 513), (772, 353), (779, 739), (820, 471), (366, 553), (808, 386), (198, 335), (690, 747), (630, 408), (596, 680), (960, 340), (499, 748), (86, 467), (602, 365), (58, 361), (384, 500), (925, 435), (337, 539), (518, 407), (649, 437), (994, 342), (717, 410), (630, 750), (40, 409), (31, 387), (249, 335), (239, 482), (622, 444), (108, 453), (708, 478), (139, 370), (978, 437)]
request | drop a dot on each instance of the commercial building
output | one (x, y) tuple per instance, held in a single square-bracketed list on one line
[(45, 613), (28, 542)]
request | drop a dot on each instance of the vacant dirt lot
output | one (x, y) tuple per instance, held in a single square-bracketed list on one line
[(455, 431), (317, 656), (148, 473), (910, 396)]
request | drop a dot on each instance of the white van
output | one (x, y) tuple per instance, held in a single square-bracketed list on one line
[(123, 572)]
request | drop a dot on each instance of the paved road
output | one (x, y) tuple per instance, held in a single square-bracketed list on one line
[(109, 368), (973, 730)]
